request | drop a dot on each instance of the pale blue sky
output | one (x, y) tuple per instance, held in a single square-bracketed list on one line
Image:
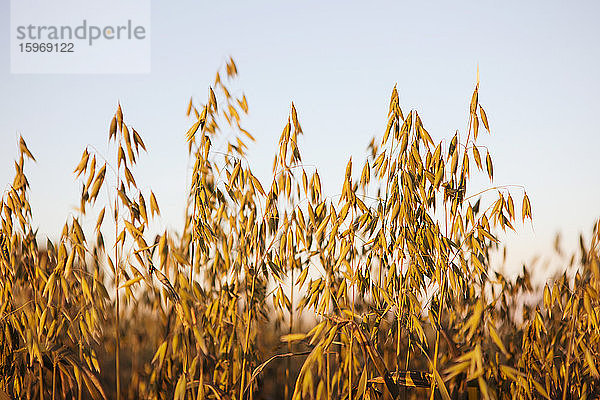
[(338, 62)]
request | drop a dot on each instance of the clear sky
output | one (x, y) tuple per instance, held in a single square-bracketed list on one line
[(338, 61)]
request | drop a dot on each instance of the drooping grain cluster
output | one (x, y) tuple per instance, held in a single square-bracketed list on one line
[(384, 290)]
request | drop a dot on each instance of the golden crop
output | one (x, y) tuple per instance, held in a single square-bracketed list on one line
[(272, 290)]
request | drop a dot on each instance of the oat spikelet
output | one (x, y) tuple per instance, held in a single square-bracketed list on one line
[(173, 295), (4, 243)]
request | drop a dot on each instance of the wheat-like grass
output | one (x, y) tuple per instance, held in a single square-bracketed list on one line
[(279, 290)]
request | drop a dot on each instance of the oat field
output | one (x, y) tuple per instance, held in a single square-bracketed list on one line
[(273, 290)]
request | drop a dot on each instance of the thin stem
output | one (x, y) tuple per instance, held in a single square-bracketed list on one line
[(328, 377), (350, 364), (53, 381), (79, 388), (437, 335), (288, 361), (37, 301), (353, 313), (41, 381), (117, 302), (192, 267), (193, 235), (118, 341), (192, 285), (329, 312), (247, 337), (566, 379), (400, 313)]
